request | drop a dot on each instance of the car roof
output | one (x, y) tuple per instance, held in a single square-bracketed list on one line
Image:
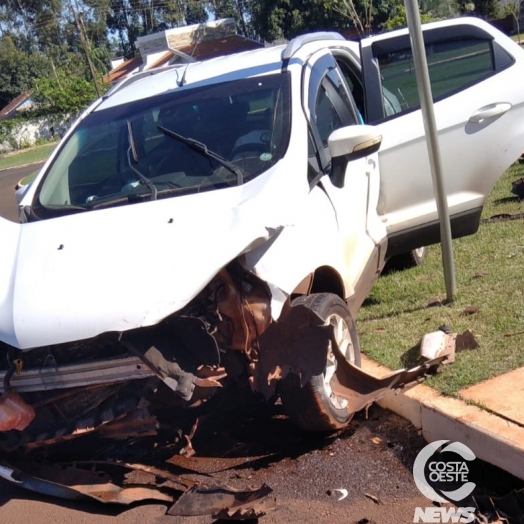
[(257, 62)]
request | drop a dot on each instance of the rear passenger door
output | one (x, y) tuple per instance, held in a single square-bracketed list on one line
[(476, 77)]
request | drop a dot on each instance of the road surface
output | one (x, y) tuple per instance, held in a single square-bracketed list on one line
[(8, 180), (371, 459)]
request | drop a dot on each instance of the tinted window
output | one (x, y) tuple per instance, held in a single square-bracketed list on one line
[(453, 66), (333, 107)]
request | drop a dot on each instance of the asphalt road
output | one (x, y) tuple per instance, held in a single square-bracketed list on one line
[(372, 459), (8, 180)]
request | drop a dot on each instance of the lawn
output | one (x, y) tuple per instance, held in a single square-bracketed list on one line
[(489, 275), (26, 156)]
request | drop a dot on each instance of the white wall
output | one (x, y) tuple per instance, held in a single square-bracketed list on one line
[(45, 127)]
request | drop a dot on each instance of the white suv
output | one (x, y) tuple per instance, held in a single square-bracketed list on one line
[(219, 223)]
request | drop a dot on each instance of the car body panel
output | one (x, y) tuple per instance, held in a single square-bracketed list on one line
[(474, 154)]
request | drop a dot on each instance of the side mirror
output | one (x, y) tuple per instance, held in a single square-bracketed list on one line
[(350, 143), (354, 141), (20, 193)]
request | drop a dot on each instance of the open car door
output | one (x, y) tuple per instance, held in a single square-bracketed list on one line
[(476, 78)]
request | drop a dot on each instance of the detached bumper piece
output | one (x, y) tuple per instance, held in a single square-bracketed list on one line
[(139, 483)]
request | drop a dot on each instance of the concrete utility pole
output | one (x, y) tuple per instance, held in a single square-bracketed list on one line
[(430, 127), (86, 51)]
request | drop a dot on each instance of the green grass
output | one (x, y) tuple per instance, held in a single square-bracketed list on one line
[(27, 156), (395, 316)]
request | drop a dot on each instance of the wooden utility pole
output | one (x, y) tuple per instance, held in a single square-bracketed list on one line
[(86, 50)]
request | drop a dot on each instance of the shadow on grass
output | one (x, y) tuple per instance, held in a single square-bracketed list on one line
[(411, 358), (397, 313), (506, 200)]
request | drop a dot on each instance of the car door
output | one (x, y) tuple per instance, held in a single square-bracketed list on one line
[(476, 78), (329, 105)]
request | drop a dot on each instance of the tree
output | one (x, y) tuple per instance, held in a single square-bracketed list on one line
[(276, 19), (19, 70), (65, 92), (512, 8), (399, 19)]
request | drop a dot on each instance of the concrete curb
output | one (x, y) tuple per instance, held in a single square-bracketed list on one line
[(492, 438)]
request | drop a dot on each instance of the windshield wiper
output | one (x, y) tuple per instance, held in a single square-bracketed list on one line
[(201, 148), (132, 151)]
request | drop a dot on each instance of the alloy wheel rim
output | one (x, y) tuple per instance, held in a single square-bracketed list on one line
[(343, 338)]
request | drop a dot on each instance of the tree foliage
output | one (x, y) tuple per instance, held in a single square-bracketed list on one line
[(41, 39), (18, 70), (64, 92), (399, 19)]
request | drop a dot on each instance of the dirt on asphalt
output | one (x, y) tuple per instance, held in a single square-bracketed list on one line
[(372, 459)]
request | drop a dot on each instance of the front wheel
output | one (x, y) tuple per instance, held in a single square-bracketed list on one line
[(315, 407)]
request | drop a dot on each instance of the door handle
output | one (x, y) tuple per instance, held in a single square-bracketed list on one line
[(491, 111)]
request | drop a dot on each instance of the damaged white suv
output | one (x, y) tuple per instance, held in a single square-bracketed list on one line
[(217, 224)]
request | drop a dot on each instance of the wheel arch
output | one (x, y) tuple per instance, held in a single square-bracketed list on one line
[(325, 279)]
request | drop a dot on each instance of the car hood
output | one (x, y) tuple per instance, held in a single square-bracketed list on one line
[(74, 277)]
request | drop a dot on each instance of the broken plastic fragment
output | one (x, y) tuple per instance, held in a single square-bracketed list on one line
[(343, 493), (14, 412), (223, 502)]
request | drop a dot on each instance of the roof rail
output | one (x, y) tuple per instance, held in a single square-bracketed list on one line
[(138, 76), (300, 41)]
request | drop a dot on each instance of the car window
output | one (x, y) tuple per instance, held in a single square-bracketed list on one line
[(354, 83), (330, 106), (333, 107), (326, 117), (453, 66), (246, 122)]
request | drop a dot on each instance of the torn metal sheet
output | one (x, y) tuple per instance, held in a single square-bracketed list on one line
[(245, 301), (299, 342), (138, 418), (508, 508), (76, 483), (92, 480), (361, 389), (207, 466), (37, 485), (224, 502), (135, 424)]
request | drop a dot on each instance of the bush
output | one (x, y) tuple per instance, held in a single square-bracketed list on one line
[(65, 93)]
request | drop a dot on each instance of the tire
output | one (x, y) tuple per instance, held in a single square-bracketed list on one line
[(408, 260), (314, 407)]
